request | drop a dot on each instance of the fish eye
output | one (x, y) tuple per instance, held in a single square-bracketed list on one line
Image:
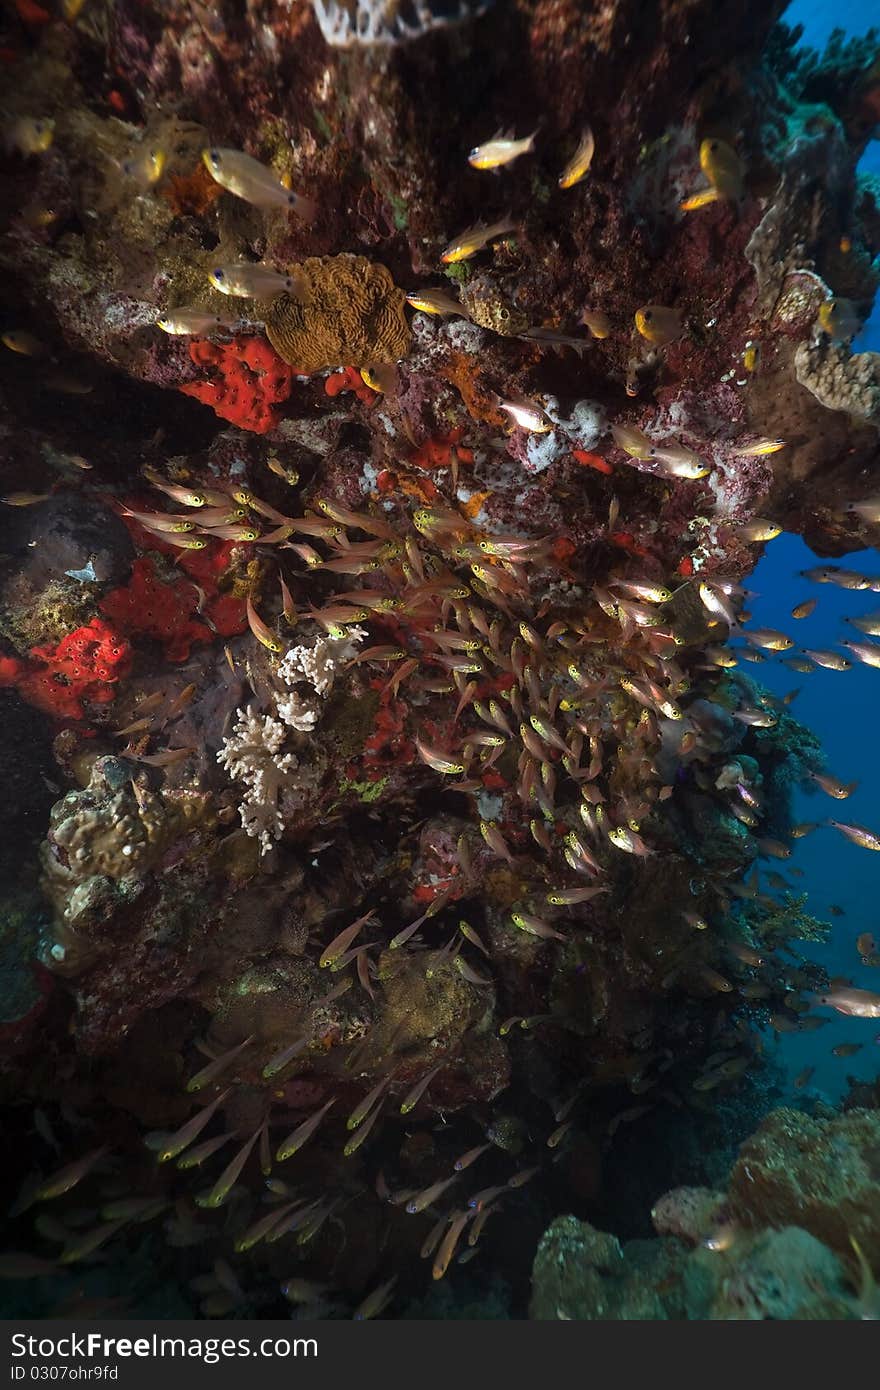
[(648, 316), (218, 274), (214, 156)]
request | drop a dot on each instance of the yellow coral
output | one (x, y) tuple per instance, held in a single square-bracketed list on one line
[(349, 314)]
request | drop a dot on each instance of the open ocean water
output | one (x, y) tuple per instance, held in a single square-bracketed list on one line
[(843, 708)]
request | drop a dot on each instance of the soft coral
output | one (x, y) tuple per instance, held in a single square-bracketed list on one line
[(84, 665), (251, 381)]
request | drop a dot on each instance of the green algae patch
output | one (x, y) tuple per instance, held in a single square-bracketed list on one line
[(367, 792)]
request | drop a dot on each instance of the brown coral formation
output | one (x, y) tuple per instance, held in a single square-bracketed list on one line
[(349, 313)]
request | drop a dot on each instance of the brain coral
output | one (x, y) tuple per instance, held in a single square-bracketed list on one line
[(350, 315)]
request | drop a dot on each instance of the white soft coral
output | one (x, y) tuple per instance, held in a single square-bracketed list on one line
[(317, 665), (252, 755)]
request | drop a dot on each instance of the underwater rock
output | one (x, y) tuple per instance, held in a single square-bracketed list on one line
[(774, 1246), (102, 843), (581, 1274), (819, 1173)]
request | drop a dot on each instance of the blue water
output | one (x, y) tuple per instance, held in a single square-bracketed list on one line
[(841, 707)]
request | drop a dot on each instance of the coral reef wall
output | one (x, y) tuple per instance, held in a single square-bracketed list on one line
[(375, 525)]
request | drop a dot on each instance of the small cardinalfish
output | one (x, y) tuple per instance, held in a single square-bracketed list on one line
[(438, 760), (475, 239), (361, 1111), (250, 280), (527, 414), (190, 322), (470, 1157), (218, 1195), (759, 449), (628, 840), (260, 630), (68, 1177), (832, 786), (867, 839), (633, 441), (436, 302), (146, 166), (247, 178), (838, 318), (171, 1145), (218, 1065), (187, 497), (578, 166), (23, 343), (302, 1133), (430, 1194), (803, 610), (340, 944), (29, 135), (723, 168), (866, 652), (758, 530), (500, 150), (449, 1243), (678, 461), (869, 624), (24, 499), (535, 926), (855, 1003), (660, 325)]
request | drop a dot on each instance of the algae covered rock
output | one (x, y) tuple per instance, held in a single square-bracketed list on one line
[(584, 1274), (821, 1174)]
